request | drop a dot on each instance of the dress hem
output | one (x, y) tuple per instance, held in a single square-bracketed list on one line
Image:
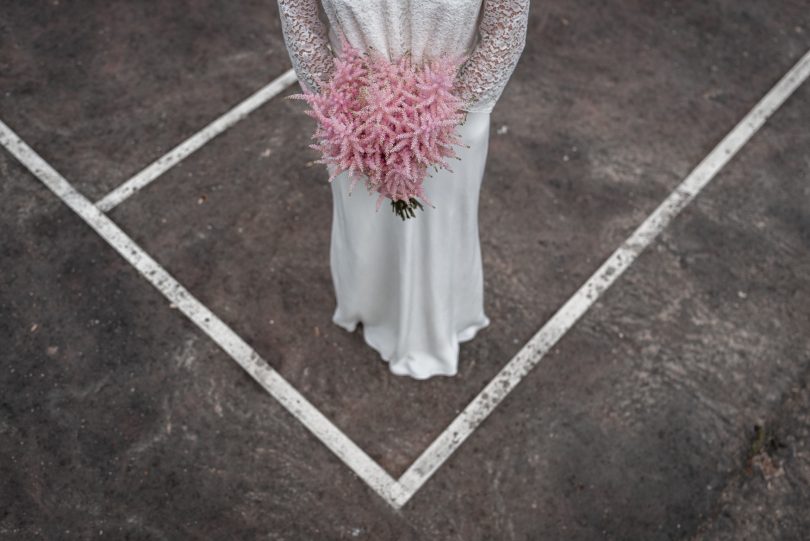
[(465, 335)]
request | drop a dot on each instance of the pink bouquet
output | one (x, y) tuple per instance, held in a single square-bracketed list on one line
[(387, 121)]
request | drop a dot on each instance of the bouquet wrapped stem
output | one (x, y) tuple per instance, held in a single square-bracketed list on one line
[(387, 122)]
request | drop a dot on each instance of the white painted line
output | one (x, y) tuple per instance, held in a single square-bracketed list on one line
[(193, 143), (354, 457), (520, 365), (398, 492)]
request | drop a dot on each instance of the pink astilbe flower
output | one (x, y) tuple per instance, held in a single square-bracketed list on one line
[(387, 122)]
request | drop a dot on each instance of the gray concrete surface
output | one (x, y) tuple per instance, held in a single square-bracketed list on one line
[(119, 419)]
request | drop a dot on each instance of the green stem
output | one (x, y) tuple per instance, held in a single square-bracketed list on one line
[(405, 209)]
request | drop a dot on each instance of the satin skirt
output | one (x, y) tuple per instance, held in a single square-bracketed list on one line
[(416, 285)]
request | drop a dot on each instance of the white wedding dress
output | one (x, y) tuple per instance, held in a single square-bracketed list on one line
[(416, 285)]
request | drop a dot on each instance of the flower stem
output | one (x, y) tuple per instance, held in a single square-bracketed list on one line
[(405, 209)]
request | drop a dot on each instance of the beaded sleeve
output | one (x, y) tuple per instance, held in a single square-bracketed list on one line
[(502, 30), (307, 42)]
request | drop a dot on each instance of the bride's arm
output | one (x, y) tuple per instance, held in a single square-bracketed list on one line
[(484, 75), (307, 43)]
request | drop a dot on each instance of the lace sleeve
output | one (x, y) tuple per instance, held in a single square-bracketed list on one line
[(307, 42), (502, 30)]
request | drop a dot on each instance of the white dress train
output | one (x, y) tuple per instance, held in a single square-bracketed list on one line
[(416, 285)]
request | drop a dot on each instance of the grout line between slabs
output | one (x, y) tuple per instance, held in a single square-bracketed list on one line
[(195, 142)]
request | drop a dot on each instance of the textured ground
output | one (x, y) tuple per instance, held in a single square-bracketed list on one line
[(675, 408)]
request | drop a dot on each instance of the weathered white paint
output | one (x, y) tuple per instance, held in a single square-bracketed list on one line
[(398, 492), (193, 143)]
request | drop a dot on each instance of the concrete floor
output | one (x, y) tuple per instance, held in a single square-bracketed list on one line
[(120, 419)]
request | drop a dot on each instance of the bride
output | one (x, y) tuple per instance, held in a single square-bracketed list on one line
[(415, 285)]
